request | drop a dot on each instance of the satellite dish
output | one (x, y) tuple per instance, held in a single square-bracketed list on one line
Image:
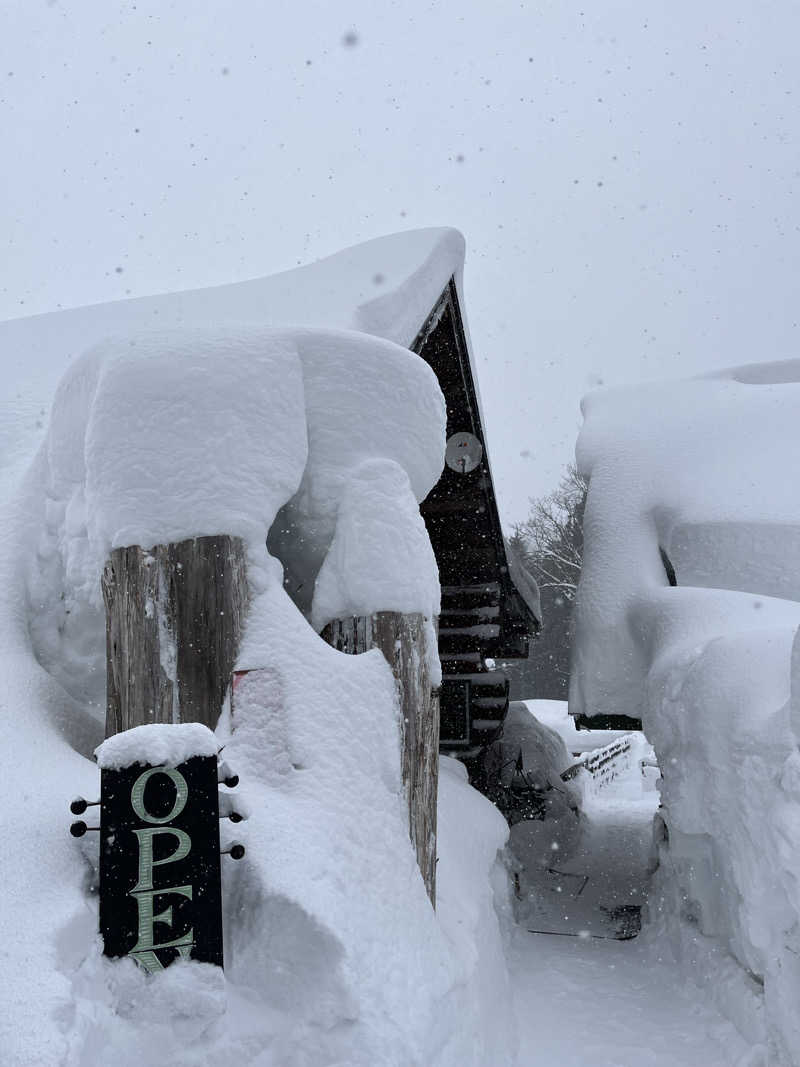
[(463, 453)]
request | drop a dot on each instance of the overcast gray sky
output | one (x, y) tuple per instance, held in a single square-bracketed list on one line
[(626, 174)]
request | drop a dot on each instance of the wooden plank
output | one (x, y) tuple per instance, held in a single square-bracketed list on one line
[(401, 638), (174, 617)]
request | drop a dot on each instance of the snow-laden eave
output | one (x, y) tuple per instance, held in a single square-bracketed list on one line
[(385, 287)]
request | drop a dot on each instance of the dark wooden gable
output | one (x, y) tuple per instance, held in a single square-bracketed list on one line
[(483, 615)]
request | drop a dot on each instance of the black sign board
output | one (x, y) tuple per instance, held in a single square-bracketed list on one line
[(160, 896)]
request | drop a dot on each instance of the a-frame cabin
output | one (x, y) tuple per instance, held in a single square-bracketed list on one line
[(485, 614)]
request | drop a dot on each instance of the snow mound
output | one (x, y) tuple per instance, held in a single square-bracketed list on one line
[(333, 953), (380, 558), (555, 715), (365, 399), (228, 418), (166, 436), (687, 614), (192, 433), (544, 757), (386, 287), (695, 470), (378, 510), (544, 752), (315, 742)]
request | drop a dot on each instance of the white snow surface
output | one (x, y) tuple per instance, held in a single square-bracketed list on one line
[(366, 400), (157, 745), (698, 468), (217, 446), (378, 511), (555, 715), (333, 952), (701, 469), (380, 555), (385, 287), (165, 436), (582, 999), (189, 433), (544, 753)]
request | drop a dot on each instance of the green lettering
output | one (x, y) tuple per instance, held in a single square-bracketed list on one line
[(144, 948), (146, 861), (181, 794)]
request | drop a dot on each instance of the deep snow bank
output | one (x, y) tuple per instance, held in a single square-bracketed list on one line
[(698, 469), (333, 951), (163, 436), (691, 477)]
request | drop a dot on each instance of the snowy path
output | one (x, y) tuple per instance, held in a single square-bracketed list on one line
[(605, 867), (611, 1004), (585, 1002)]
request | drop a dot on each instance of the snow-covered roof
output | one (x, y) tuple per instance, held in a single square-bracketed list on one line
[(385, 287)]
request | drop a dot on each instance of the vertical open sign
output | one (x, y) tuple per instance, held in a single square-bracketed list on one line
[(160, 895)]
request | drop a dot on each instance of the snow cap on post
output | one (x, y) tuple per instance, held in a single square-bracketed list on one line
[(156, 745)]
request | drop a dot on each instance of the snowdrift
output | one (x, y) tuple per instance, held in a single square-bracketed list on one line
[(687, 614), (312, 437)]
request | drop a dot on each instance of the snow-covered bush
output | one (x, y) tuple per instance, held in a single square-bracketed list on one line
[(687, 612)]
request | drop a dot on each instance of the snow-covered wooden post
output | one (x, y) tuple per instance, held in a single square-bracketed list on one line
[(174, 616), (403, 641)]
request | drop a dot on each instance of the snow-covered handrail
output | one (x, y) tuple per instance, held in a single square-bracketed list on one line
[(600, 762)]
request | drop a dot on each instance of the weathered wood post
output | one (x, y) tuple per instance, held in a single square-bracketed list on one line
[(174, 617), (401, 638)]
